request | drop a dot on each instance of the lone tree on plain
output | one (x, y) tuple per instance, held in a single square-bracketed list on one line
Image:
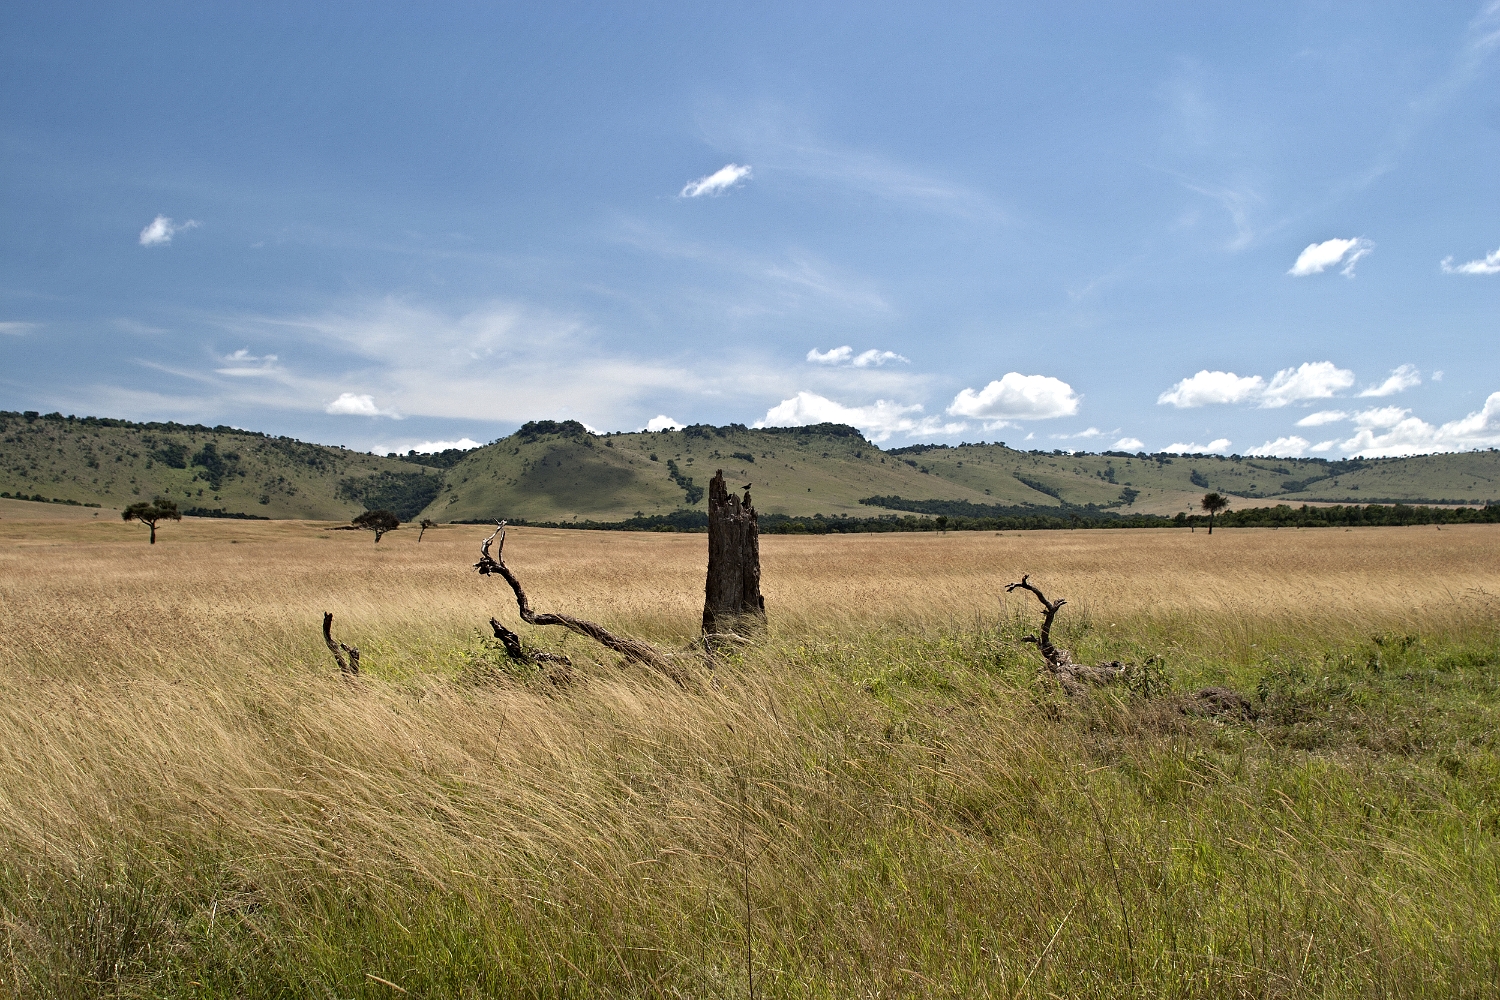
[(149, 513), (1212, 503), (378, 521), (427, 522)]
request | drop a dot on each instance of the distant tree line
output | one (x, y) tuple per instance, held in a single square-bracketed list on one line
[(405, 494), (1282, 516)]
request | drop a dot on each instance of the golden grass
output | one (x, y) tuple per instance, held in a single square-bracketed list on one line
[(905, 810)]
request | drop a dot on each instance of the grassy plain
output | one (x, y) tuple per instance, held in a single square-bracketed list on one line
[(879, 799)]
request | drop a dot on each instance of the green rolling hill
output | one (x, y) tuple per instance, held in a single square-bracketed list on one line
[(558, 471)]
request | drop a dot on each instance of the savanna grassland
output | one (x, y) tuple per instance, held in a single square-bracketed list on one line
[(881, 798)]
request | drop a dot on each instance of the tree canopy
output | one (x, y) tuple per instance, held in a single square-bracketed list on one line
[(150, 513), (378, 521)]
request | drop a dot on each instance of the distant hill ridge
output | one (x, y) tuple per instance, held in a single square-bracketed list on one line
[(560, 472)]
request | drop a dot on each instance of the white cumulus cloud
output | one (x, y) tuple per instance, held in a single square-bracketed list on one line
[(356, 405), (1310, 380), (878, 421), (429, 447), (718, 182), (1180, 448), (1128, 444), (1208, 388), (160, 230), (1017, 397), (1402, 378), (1488, 264), (1319, 257), (662, 422), (1392, 430), (1291, 446), (1322, 417)]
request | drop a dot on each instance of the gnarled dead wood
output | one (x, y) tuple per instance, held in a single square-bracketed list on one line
[(350, 666), (632, 649), (1071, 675)]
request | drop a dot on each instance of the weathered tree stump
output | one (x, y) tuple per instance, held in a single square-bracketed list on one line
[(732, 602)]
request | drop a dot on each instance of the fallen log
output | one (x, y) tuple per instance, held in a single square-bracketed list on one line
[(1074, 677), (633, 650)]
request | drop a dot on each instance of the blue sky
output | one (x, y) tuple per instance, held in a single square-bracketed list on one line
[(1251, 228)]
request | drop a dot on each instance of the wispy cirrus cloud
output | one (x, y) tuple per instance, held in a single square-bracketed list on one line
[(1401, 379), (726, 177), (846, 355), (1318, 257), (160, 230), (1309, 380), (242, 363), (17, 329), (1488, 264)]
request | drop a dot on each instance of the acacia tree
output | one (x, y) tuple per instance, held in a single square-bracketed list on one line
[(149, 513), (378, 521), (427, 522), (1212, 503)]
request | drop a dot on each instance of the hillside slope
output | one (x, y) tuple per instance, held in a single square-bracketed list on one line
[(116, 463), (558, 471)]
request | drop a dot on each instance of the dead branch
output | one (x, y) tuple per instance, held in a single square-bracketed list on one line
[(1071, 675), (349, 667), (632, 649)]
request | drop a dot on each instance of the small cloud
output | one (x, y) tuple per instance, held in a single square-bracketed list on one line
[(1017, 397), (1128, 444), (362, 405), (1437, 376), (1218, 444), (1207, 388), (877, 358), (430, 447), (1310, 380), (242, 363), (1318, 257), (1402, 378), (662, 422), (160, 230), (1323, 446), (1091, 432), (845, 354), (718, 182), (1381, 417), (1283, 447), (1488, 264), (16, 329), (1322, 417), (833, 356)]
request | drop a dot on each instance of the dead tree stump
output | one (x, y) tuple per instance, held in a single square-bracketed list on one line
[(732, 601)]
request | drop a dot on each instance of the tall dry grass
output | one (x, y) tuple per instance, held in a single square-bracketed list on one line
[(880, 796)]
